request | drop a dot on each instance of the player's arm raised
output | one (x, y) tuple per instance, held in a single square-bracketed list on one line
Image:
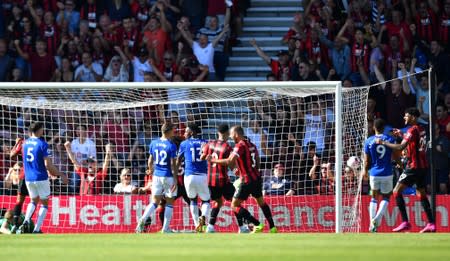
[(365, 170)]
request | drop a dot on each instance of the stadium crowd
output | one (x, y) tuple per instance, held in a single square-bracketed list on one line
[(369, 42)]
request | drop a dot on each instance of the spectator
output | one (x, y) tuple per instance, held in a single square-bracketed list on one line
[(141, 63), (213, 29), (91, 177), (398, 98), (203, 50), (443, 119), (258, 136), (6, 61), (128, 35), (167, 69), (88, 71), (118, 68), (91, 10), (444, 26), (315, 127), (42, 63), (82, 149), (340, 56), (138, 161), (116, 128), (441, 166), (305, 185), (156, 36), (125, 186), (65, 74), (281, 67), (323, 178), (67, 13), (278, 184), (141, 11), (195, 10), (118, 9), (49, 30), (303, 72), (192, 71)]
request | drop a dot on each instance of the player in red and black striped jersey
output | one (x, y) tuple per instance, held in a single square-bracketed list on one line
[(218, 180), (246, 159), (22, 192), (414, 141)]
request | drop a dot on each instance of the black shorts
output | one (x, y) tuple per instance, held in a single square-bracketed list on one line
[(243, 191), (181, 192), (22, 190), (410, 177), (227, 191)]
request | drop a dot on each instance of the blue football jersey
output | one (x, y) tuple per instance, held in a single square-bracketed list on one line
[(163, 151), (35, 150), (191, 149), (380, 155)]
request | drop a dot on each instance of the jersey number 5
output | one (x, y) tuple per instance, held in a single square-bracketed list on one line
[(30, 156)]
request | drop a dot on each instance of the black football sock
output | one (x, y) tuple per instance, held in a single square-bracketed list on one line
[(268, 214), (247, 216), (239, 219), (213, 216), (401, 206), (17, 211), (426, 206)]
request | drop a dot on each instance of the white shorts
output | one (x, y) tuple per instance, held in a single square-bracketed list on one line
[(39, 189), (382, 183), (161, 186), (197, 185)]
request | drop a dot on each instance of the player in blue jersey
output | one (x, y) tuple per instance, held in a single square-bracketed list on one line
[(162, 165), (195, 174), (37, 161), (377, 162)]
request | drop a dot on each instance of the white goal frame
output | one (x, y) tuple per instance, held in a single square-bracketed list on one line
[(332, 85)]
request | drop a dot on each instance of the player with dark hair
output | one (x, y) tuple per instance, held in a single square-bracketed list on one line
[(414, 141), (377, 163), (195, 174), (218, 180), (162, 165), (37, 161), (245, 157), (22, 192)]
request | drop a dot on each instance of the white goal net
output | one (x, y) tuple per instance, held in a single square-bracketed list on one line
[(293, 125)]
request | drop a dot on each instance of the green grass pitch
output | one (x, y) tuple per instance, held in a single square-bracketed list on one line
[(229, 247)]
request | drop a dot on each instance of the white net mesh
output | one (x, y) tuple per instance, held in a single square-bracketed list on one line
[(292, 126)]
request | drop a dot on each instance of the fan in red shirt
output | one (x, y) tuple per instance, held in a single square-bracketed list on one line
[(218, 180), (42, 63), (414, 141), (245, 157), (91, 177), (444, 25)]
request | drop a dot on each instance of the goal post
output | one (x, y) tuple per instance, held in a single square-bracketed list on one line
[(286, 120)]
